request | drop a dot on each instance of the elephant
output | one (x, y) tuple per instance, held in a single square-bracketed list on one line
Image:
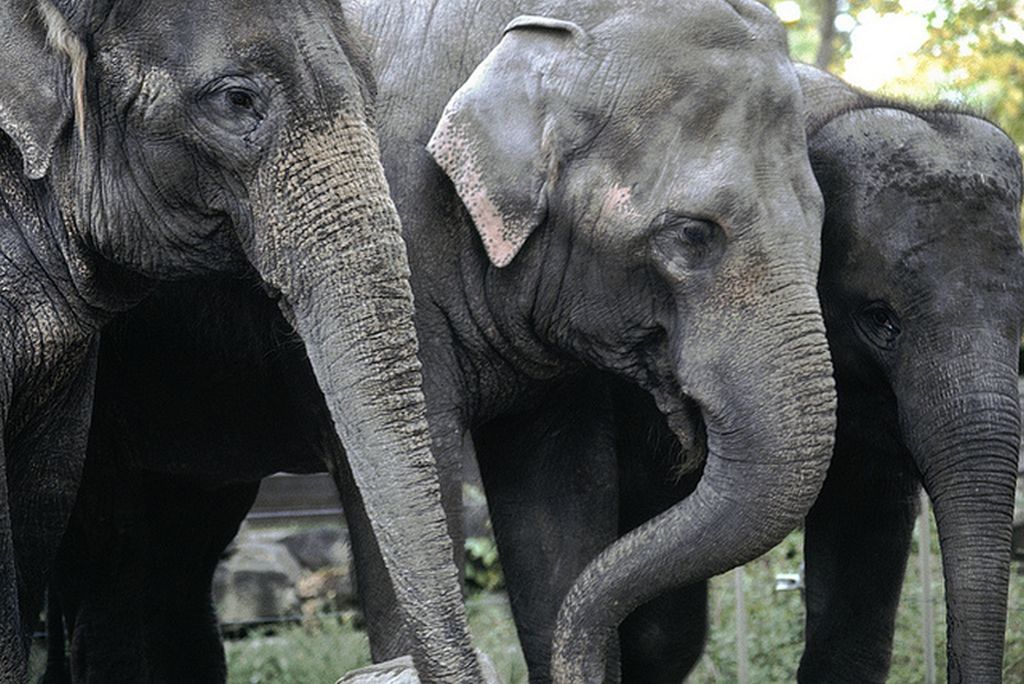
[(921, 286), (146, 142), (559, 215)]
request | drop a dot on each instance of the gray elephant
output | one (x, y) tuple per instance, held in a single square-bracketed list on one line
[(922, 289), (146, 140), (567, 215)]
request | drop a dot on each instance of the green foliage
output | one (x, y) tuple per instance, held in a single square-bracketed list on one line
[(804, 36), (979, 45), (483, 570), (775, 628), (973, 51), (494, 633), (293, 654), (322, 652), (973, 54), (775, 621)]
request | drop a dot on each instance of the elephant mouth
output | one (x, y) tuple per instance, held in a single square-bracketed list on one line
[(686, 421)]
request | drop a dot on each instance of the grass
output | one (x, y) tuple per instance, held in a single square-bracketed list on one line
[(774, 633), (294, 654)]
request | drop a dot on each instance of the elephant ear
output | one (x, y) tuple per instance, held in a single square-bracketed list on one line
[(494, 139), (35, 97)]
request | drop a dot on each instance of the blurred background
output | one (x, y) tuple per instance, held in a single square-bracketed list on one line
[(968, 52)]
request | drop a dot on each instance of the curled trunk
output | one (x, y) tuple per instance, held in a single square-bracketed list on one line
[(328, 239), (770, 435)]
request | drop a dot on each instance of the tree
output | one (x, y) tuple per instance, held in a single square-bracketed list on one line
[(970, 52)]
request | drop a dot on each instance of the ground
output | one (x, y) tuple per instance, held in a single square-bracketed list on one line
[(297, 654)]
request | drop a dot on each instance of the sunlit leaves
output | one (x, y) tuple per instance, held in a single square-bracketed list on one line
[(968, 52)]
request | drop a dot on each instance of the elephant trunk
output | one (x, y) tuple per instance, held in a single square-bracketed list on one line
[(327, 237), (965, 439), (770, 436)]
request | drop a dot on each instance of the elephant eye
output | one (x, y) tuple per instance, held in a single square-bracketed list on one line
[(241, 99), (699, 233), (879, 324), (234, 103), (687, 242)]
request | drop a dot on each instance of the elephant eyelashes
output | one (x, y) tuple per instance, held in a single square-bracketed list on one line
[(879, 324), (234, 105), (687, 243)]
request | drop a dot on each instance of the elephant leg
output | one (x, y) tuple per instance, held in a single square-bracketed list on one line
[(38, 486), (43, 475), (13, 646), (856, 544), (99, 579), (661, 641), (57, 671), (135, 572), (182, 636), (549, 476)]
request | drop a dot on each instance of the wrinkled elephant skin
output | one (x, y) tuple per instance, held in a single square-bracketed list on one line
[(559, 213), (921, 288), (145, 141)]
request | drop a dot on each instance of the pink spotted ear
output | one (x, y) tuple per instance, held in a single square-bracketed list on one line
[(503, 227), (490, 139)]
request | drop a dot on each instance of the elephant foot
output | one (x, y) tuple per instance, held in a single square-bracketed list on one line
[(402, 671)]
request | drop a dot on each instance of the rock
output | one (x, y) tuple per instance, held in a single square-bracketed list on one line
[(256, 582), (262, 535), (319, 547), (397, 671), (475, 516), (487, 666), (402, 671), (326, 590)]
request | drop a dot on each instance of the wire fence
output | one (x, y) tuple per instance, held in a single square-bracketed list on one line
[(794, 582)]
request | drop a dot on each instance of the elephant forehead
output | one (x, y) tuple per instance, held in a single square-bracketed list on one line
[(297, 44), (929, 155), (913, 253), (940, 230), (705, 80), (672, 27), (644, 55), (712, 176)]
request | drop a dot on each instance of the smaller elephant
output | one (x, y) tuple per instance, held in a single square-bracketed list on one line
[(922, 289), (146, 141)]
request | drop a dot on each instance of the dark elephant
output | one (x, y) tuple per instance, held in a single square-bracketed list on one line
[(664, 229), (921, 288), (146, 141)]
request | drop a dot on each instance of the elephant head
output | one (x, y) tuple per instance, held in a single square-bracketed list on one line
[(923, 293), (642, 179), (232, 137)]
